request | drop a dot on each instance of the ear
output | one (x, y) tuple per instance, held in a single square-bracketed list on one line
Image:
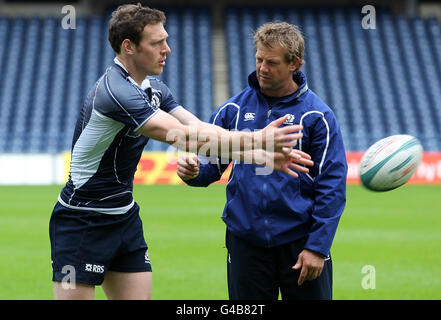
[(127, 47), (295, 64)]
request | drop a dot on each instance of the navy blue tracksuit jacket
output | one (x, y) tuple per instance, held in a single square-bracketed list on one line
[(273, 209)]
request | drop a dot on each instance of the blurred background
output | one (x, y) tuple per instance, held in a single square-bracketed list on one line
[(378, 81), (381, 75)]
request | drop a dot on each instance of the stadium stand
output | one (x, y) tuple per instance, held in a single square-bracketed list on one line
[(378, 82)]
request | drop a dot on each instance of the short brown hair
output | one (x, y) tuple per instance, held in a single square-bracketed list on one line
[(284, 34), (128, 21)]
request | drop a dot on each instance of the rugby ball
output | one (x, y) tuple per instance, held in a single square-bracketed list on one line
[(390, 162)]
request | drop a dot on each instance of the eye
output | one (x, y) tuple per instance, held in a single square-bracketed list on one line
[(158, 43)]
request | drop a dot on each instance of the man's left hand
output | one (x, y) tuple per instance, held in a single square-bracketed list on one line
[(289, 160), (311, 265)]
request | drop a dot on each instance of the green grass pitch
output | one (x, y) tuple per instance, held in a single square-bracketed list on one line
[(398, 233)]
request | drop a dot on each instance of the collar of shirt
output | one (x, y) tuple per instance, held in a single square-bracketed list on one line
[(144, 85)]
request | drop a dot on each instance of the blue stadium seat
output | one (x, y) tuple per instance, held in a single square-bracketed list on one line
[(416, 85), (11, 72), (205, 101), (42, 85), (23, 110), (59, 91), (237, 76), (378, 82)]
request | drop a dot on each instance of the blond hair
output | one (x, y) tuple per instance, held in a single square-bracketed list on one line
[(285, 35)]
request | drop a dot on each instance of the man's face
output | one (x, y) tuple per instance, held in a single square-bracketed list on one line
[(150, 54), (274, 73)]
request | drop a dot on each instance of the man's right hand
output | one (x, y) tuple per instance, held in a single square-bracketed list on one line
[(188, 167), (274, 139)]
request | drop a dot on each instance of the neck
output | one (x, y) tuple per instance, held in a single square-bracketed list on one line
[(290, 88), (134, 72)]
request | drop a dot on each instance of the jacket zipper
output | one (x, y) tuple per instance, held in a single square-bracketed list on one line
[(264, 189)]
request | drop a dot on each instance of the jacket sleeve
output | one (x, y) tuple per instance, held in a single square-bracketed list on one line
[(329, 182), (212, 168)]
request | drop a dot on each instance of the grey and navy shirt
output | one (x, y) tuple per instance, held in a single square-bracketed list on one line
[(106, 146)]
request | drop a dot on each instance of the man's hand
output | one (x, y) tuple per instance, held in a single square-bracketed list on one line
[(274, 138), (289, 160), (311, 265), (188, 167)]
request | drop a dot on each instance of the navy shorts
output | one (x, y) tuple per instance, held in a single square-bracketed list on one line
[(86, 244), (257, 273)]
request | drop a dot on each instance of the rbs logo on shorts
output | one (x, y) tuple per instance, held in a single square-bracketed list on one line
[(94, 268)]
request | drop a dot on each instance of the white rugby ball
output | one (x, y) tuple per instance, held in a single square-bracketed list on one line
[(390, 162)]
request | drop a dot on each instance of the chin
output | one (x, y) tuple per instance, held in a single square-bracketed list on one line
[(157, 72), (264, 86)]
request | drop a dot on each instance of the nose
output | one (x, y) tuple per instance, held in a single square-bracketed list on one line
[(167, 49), (263, 67)]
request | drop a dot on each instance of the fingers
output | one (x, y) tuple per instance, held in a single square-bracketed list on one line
[(193, 161), (301, 154), (311, 266), (278, 122), (185, 174), (302, 276), (289, 152), (300, 157), (289, 162), (290, 128), (299, 160), (275, 138), (188, 167), (302, 161), (299, 168), (291, 172), (282, 141), (308, 273), (290, 137), (303, 270), (285, 136)]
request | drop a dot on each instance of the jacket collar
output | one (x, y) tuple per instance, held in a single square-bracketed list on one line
[(298, 77), (144, 85)]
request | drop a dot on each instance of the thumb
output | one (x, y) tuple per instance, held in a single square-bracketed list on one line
[(278, 122), (193, 161), (298, 264)]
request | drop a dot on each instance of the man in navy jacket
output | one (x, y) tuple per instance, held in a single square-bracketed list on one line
[(279, 229)]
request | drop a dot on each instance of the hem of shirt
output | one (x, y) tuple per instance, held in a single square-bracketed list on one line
[(119, 210)]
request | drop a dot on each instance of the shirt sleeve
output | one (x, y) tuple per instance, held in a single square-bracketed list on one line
[(126, 102), (329, 182)]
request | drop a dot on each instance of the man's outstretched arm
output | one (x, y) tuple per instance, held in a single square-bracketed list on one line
[(212, 140)]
